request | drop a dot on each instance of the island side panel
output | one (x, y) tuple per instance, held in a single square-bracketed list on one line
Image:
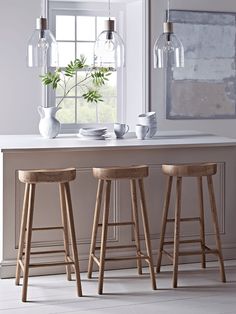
[(83, 192)]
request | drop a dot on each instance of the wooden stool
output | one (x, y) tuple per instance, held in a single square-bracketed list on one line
[(31, 178), (198, 171), (106, 175)]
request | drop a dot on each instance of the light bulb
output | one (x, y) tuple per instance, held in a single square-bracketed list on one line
[(42, 51), (43, 45), (168, 47), (109, 45)]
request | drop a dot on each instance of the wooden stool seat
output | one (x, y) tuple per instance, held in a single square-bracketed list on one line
[(135, 174), (47, 175), (31, 178), (197, 171), (190, 170)]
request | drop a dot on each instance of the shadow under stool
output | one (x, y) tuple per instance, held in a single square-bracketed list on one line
[(31, 178), (105, 176), (197, 171)]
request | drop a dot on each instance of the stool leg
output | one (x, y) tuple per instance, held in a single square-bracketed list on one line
[(22, 233), (216, 226), (104, 236), (202, 221), (28, 240), (136, 223), (146, 232), (177, 231), (164, 222), (73, 236), (65, 230), (95, 226)]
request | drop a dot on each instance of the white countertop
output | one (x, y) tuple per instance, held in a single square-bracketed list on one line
[(167, 139)]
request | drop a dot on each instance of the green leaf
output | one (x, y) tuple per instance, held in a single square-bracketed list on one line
[(92, 96), (51, 78)]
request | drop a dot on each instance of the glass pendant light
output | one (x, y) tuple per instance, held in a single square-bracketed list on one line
[(168, 50), (109, 47), (42, 46)]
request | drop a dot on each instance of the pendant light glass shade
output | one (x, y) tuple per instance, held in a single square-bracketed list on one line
[(42, 46), (168, 50), (109, 48)]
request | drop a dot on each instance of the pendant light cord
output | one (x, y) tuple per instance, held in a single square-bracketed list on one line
[(109, 9), (168, 10), (44, 8)]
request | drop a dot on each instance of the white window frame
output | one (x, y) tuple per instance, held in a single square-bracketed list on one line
[(91, 9)]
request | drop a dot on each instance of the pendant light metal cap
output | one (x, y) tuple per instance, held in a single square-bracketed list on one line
[(168, 27), (41, 23), (109, 25)]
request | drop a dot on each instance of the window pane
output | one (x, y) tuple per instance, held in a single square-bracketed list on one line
[(65, 27), (107, 112), (86, 49), (66, 53), (86, 112), (86, 28), (67, 112)]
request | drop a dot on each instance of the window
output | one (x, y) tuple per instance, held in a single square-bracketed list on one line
[(76, 31)]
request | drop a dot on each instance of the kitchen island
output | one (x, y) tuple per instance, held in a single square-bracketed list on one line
[(34, 152)]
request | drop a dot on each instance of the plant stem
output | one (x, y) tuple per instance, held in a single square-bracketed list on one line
[(88, 76)]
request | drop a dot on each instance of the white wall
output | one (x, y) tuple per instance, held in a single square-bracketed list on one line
[(225, 127), (20, 87), (134, 57)]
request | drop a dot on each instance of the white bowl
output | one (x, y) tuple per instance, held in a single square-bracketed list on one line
[(151, 114), (146, 121)]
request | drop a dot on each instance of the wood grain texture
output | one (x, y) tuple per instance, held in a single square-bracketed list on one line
[(190, 170), (47, 175), (121, 172)]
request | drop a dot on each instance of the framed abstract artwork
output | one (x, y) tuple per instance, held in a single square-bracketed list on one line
[(206, 87)]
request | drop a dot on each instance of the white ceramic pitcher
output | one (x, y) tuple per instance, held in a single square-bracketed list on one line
[(49, 126)]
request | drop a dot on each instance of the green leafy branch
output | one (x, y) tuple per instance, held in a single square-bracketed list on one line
[(94, 79)]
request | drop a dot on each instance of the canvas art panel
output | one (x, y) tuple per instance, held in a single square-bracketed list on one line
[(206, 87)]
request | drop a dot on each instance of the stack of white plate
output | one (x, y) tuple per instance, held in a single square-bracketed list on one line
[(92, 133), (149, 119)]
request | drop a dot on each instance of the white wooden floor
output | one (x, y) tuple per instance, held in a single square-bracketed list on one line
[(200, 292)]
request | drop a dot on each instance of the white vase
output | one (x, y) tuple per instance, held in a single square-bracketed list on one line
[(49, 126)]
